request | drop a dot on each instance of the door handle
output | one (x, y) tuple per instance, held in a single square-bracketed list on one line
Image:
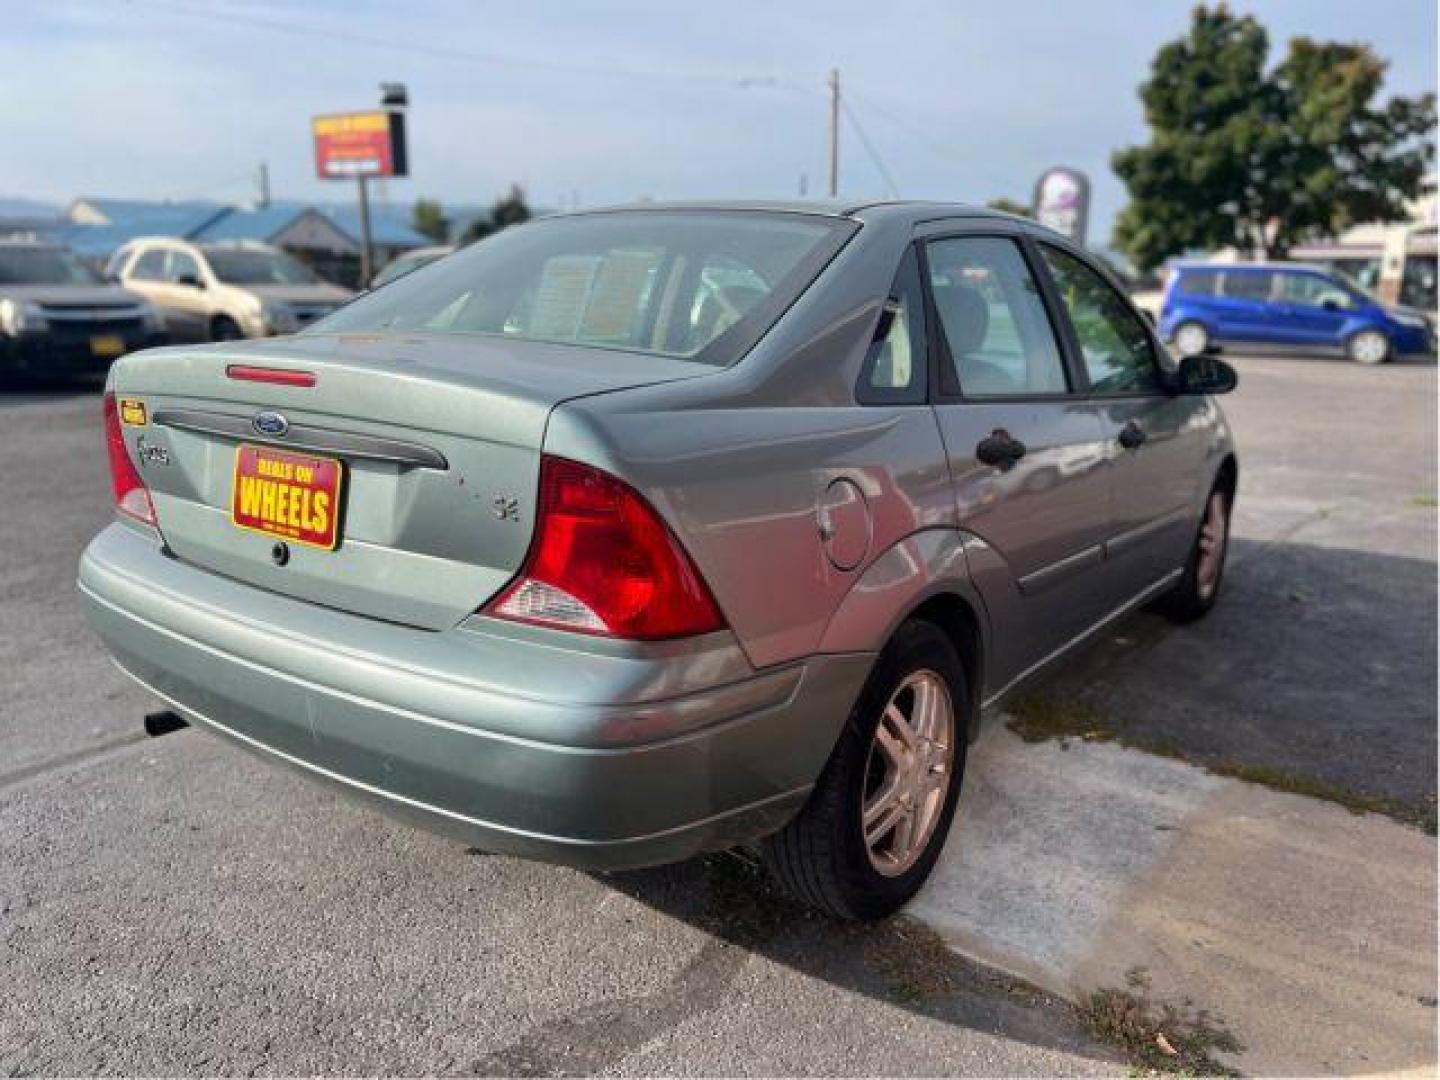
[(1000, 448), (1132, 436)]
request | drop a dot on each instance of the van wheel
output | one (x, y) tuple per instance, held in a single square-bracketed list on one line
[(1199, 587), (1191, 339), (225, 328), (1368, 347), (870, 833)]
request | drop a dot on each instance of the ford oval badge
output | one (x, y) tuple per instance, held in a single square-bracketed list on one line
[(270, 423)]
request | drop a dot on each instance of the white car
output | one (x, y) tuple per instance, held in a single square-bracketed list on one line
[(224, 291)]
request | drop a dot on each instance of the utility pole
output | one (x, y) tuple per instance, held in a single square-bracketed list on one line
[(264, 182), (366, 255), (834, 133)]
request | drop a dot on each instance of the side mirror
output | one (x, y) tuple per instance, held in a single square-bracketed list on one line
[(190, 281), (1330, 304), (1205, 375)]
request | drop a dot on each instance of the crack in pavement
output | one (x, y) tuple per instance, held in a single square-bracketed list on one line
[(74, 757), (595, 1038)]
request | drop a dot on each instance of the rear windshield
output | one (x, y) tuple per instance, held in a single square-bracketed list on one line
[(695, 285), (44, 266)]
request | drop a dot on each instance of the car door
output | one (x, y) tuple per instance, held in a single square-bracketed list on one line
[(1026, 453), (1314, 306), (145, 274), (187, 296), (1153, 445), (1244, 308)]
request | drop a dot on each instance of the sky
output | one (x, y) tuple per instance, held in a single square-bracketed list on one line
[(602, 102)]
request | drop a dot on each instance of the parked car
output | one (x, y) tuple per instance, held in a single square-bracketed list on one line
[(224, 291), (625, 535), (60, 317), (1286, 304), (401, 265)]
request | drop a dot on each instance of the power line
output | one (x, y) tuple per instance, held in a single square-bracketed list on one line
[(332, 33), (875, 158)]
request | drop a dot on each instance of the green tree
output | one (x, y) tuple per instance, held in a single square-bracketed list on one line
[(510, 209), (1010, 206), (430, 220), (1256, 159)]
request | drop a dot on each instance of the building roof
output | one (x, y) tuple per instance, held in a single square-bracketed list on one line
[(389, 227)]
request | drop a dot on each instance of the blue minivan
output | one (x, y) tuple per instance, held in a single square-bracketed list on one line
[(1209, 304)]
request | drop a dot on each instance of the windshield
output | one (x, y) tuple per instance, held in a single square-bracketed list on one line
[(258, 268), (44, 266), (696, 285)]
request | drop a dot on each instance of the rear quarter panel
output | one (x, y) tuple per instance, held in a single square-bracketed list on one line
[(738, 462)]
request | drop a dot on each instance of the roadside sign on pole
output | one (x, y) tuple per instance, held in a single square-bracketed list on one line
[(350, 145)]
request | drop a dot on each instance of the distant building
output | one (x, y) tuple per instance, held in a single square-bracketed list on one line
[(326, 238)]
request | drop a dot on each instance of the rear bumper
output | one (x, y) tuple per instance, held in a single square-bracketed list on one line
[(511, 740)]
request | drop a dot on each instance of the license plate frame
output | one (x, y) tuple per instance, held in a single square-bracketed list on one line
[(258, 507)]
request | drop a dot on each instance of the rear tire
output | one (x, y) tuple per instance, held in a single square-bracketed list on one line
[(1191, 339), (1368, 347), (824, 857), (225, 328), (1198, 589)]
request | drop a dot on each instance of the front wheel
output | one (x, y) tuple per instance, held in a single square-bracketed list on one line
[(1368, 347), (873, 827)]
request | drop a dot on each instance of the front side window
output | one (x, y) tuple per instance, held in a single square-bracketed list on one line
[(1114, 342), (693, 285), (1310, 290), (895, 371), (1000, 340), (182, 269)]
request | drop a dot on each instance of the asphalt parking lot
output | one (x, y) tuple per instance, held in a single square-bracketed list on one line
[(176, 906)]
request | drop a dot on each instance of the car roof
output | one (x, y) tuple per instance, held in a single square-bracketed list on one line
[(1273, 264), (916, 210)]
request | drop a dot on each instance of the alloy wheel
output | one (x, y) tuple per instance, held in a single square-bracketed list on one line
[(1214, 533), (908, 772)]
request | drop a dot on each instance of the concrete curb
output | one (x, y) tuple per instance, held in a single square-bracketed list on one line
[(1310, 931)]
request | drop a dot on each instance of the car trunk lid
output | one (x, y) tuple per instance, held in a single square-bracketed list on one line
[(438, 441)]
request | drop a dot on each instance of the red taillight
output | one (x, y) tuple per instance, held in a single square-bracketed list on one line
[(131, 497), (278, 376), (602, 562)]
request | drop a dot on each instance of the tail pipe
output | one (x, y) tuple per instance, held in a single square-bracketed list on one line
[(163, 723)]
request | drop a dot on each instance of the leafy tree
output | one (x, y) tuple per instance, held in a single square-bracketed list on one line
[(430, 220), (1263, 159), (509, 209), (1010, 206)]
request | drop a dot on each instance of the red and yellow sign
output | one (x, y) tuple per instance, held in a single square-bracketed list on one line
[(132, 411), (290, 496), (359, 144)]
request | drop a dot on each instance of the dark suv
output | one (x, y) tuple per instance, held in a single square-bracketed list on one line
[(60, 317)]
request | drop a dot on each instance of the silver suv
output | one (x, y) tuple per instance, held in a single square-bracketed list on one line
[(224, 291)]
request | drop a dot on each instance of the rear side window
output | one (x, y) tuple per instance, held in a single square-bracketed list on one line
[(1114, 343), (1198, 282), (694, 285), (1246, 285), (996, 332), (150, 266), (896, 368)]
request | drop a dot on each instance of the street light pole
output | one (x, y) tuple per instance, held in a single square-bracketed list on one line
[(834, 133), (367, 258)]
